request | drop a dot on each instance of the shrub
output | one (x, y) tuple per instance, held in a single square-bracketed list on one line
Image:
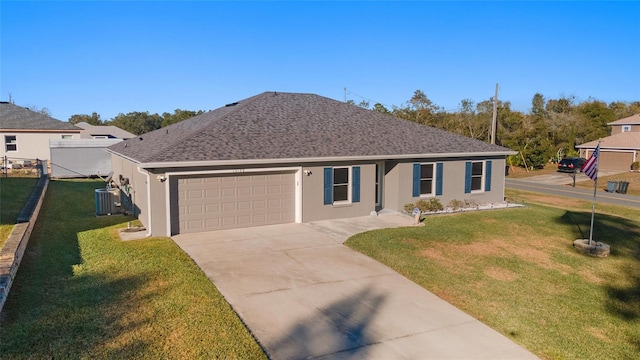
[(430, 205), (424, 206), (635, 165), (408, 208), (456, 204)]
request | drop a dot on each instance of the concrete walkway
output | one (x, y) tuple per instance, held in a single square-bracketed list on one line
[(305, 295)]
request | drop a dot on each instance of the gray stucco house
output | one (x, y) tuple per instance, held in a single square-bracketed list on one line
[(288, 157)]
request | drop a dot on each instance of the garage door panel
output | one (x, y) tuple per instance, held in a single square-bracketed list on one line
[(221, 202), (615, 160)]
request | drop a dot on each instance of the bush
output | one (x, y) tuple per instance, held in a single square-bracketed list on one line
[(408, 208), (635, 166), (424, 206), (456, 204)]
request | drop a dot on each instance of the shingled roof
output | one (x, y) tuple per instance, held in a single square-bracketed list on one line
[(18, 118), (286, 126), (631, 120), (103, 130)]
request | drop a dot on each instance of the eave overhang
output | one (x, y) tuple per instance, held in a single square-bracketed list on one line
[(245, 162)]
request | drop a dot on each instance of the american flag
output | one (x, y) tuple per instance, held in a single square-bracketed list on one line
[(590, 168)]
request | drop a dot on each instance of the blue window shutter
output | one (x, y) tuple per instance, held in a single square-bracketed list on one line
[(487, 176), (416, 180), (467, 177), (439, 167), (328, 186), (355, 190)]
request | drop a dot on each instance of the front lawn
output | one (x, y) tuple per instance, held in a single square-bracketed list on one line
[(83, 293), (14, 193), (516, 271)]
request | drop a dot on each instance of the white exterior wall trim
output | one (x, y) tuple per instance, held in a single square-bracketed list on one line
[(298, 190)]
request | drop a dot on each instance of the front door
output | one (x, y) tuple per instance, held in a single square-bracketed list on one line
[(379, 179)]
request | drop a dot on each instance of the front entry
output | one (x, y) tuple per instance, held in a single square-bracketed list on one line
[(379, 187)]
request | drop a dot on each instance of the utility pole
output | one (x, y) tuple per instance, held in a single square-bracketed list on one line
[(495, 117), (345, 94)]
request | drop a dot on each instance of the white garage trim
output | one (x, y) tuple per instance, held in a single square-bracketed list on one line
[(297, 175)]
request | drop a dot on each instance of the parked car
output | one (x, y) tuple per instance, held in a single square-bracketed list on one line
[(573, 164)]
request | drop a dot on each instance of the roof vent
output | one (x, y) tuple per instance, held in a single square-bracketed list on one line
[(232, 104)]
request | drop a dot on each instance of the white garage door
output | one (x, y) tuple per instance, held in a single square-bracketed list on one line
[(227, 202)]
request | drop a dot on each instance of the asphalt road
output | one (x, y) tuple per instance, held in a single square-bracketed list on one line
[(535, 185)]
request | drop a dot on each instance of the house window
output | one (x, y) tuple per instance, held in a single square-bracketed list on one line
[(427, 179), (10, 143), (427, 182), (477, 169), (477, 176), (341, 185), (626, 128)]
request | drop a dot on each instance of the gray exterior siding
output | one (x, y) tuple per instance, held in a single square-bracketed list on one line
[(137, 192), (313, 207), (399, 190)]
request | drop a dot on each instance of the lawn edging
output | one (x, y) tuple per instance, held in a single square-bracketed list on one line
[(13, 250)]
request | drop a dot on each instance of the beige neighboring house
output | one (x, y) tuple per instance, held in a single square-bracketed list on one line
[(25, 134), (619, 150), (102, 132), (295, 158)]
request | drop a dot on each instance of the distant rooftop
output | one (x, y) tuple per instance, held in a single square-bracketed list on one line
[(18, 118)]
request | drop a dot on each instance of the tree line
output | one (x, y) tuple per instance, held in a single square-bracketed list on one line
[(552, 128), (137, 122)]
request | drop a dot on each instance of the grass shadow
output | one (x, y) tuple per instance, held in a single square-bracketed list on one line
[(623, 235), (54, 305)]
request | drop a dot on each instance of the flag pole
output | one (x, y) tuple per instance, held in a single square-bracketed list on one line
[(595, 190)]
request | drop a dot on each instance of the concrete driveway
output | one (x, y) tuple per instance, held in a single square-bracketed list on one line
[(305, 295)]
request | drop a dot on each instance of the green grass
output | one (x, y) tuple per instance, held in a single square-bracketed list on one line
[(82, 293), (14, 193), (516, 271)]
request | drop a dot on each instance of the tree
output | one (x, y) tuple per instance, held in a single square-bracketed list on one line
[(380, 108), (363, 104), (594, 118), (137, 122), (177, 116), (43, 111), (93, 119), (419, 109)]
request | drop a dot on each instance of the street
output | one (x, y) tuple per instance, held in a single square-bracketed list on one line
[(536, 185)]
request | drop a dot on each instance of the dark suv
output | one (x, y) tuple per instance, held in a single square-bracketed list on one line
[(572, 164)]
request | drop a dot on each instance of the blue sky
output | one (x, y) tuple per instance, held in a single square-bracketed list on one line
[(78, 57)]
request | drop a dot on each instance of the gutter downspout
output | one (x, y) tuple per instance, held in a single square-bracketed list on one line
[(146, 174)]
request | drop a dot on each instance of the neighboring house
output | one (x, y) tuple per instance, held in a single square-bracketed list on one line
[(619, 150), (80, 157), (286, 157), (25, 134), (102, 132), (85, 157)]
